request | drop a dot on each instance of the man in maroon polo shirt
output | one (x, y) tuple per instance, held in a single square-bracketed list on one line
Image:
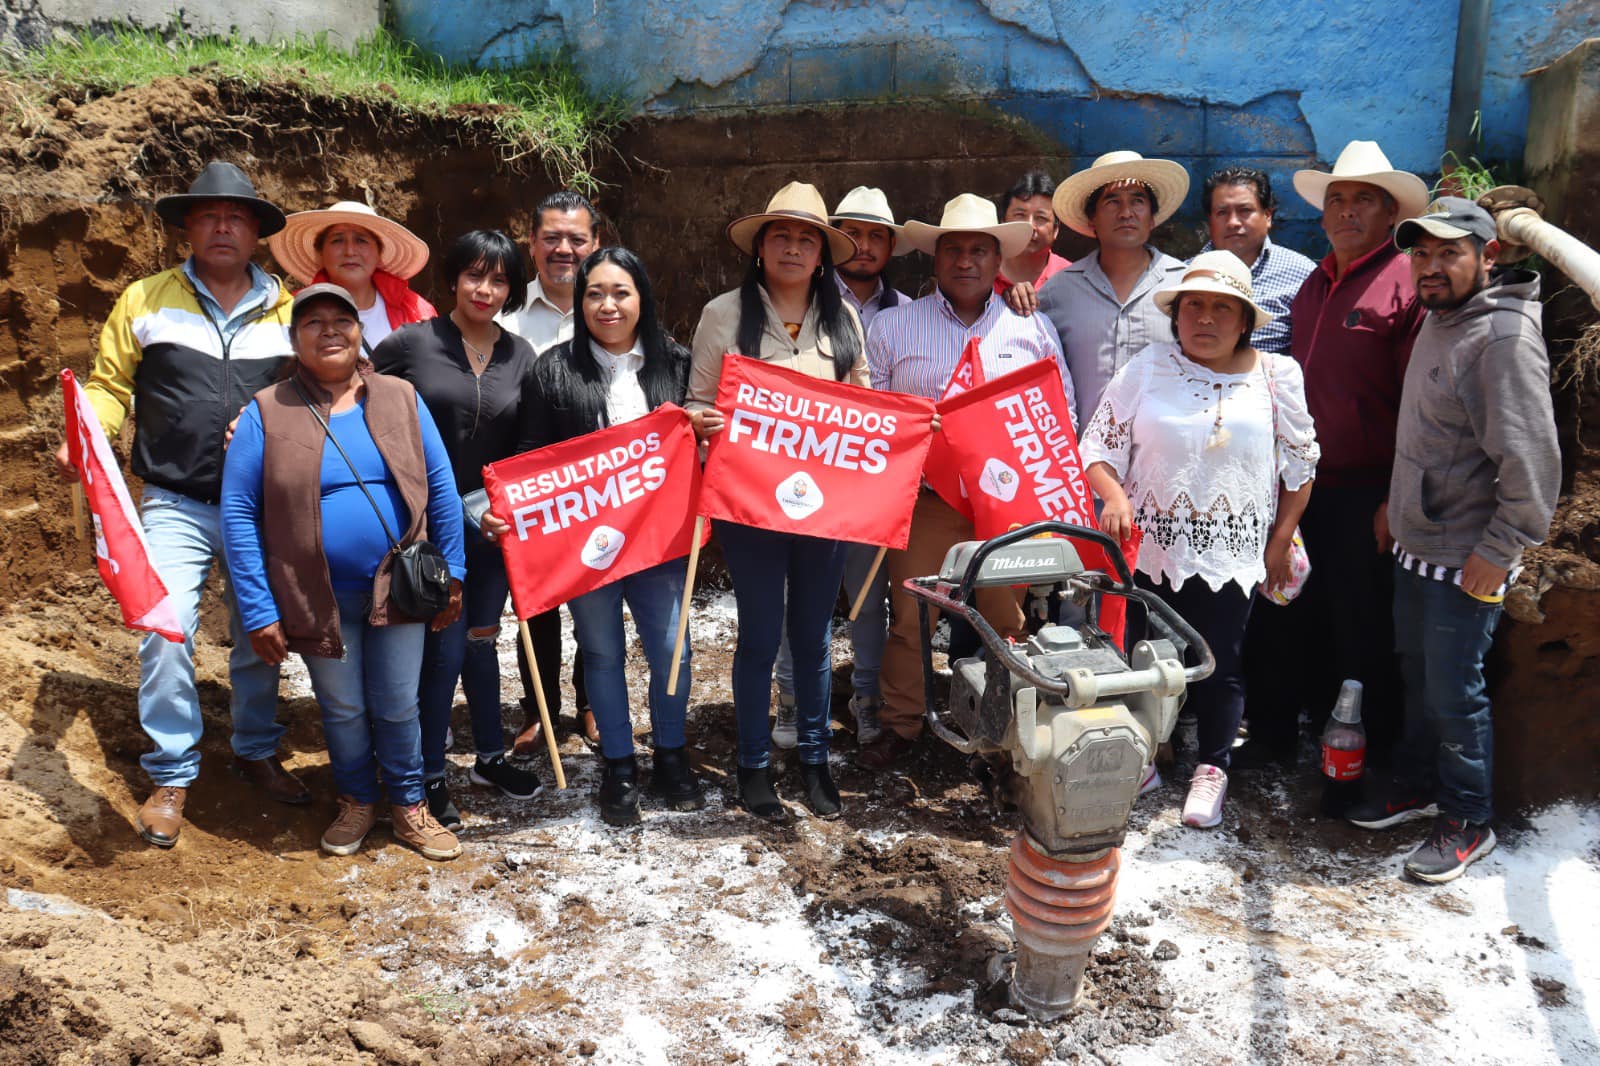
[(1353, 323)]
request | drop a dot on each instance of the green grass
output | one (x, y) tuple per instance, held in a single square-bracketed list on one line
[(546, 110)]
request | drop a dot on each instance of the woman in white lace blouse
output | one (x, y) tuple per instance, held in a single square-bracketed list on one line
[(1206, 445)]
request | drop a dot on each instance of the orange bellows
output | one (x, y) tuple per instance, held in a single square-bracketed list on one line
[(1059, 908)]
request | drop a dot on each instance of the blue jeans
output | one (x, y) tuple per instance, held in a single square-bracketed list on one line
[(369, 705), (452, 654), (1442, 636), (185, 538), (653, 597), (868, 633), (781, 578)]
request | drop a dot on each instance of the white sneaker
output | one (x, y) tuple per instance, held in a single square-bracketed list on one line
[(1152, 780), (785, 734), (1207, 789), (865, 708)]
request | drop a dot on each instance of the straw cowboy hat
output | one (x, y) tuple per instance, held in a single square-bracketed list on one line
[(1167, 179), (221, 181), (1364, 161), (866, 204), (1219, 272), (295, 248), (969, 214), (795, 202)]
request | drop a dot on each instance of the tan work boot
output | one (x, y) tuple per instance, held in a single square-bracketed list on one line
[(415, 827), (162, 815), (350, 828)]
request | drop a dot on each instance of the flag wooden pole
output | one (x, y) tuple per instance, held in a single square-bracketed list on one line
[(872, 575), (544, 709), (77, 510), (683, 608)]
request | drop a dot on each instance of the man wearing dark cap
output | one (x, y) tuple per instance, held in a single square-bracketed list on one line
[(1476, 474), (187, 348)]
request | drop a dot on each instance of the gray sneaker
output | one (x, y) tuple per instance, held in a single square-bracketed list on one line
[(785, 734), (865, 707)]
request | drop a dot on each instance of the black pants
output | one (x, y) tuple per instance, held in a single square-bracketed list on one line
[(1220, 618), (1342, 626), (545, 631)]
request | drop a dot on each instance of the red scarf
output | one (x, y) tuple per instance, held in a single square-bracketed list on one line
[(401, 304)]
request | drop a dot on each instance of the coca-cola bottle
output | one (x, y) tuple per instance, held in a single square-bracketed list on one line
[(1344, 752)]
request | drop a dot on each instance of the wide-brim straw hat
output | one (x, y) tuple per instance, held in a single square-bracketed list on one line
[(866, 204), (295, 248), (969, 213), (221, 181), (1364, 161), (1219, 272), (795, 202), (1168, 180)]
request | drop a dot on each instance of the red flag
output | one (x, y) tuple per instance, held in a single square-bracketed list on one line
[(1014, 447), (803, 455), (120, 549), (596, 508), (939, 471)]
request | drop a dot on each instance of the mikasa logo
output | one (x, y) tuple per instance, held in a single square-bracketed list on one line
[(1023, 563)]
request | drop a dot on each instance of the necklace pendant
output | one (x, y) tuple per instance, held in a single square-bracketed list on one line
[(1219, 438)]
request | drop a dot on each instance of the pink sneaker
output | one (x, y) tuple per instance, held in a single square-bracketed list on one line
[(1152, 780), (1207, 789)]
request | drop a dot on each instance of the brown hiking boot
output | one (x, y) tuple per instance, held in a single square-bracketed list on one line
[(162, 815), (530, 741), (351, 827), (415, 827), (269, 775)]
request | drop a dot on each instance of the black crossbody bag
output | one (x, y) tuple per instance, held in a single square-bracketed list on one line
[(419, 584)]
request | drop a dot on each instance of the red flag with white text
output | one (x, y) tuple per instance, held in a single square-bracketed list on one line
[(596, 508), (1015, 450), (121, 552), (939, 471), (799, 454)]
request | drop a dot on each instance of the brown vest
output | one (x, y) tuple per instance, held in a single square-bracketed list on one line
[(291, 502)]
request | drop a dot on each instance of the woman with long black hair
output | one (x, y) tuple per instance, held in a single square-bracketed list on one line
[(618, 366), (788, 311)]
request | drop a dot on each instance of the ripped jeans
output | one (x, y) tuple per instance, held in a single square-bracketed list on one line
[(466, 650)]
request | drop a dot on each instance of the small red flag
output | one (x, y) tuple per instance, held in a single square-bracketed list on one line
[(940, 469), (122, 553), (802, 455), (596, 508)]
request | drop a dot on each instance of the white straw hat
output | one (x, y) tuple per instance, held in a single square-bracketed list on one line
[(866, 204), (795, 202), (295, 246), (968, 213), (1364, 161), (1167, 179), (1221, 272)]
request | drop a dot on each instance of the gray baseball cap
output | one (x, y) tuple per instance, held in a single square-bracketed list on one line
[(323, 288), (1447, 218)]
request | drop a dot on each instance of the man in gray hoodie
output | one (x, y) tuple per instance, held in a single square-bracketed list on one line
[(1476, 474)]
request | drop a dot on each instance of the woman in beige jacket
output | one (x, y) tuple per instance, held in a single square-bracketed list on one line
[(788, 311)]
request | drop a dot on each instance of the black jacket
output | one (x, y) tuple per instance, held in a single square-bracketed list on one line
[(569, 395)]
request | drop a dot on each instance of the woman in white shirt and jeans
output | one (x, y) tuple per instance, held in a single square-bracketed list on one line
[(1207, 446)]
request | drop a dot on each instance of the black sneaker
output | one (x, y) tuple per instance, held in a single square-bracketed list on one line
[(497, 773), (673, 780), (619, 792), (1450, 849), (822, 796), (1398, 804), (439, 805)]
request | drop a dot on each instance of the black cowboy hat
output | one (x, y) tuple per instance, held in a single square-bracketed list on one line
[(221, 181)]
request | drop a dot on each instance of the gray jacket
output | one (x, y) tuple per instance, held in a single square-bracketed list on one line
[(1476, 467)]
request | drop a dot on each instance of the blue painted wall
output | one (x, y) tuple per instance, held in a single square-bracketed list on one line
[(1275, 83)]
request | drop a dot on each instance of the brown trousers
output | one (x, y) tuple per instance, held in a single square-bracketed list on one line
[(935, 527)]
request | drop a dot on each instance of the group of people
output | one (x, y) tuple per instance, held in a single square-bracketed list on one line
[(1402, 375)]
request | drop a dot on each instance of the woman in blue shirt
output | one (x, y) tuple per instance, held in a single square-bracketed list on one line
[(327, 596)]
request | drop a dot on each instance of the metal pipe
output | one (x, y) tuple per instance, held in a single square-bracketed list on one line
[(1522, 225), (1466, 80)]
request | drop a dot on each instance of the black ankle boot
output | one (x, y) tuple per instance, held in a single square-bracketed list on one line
[(757, 797), (822, 796), (619, 792), (674, 781)]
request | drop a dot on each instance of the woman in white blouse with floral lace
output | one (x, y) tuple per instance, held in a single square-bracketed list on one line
[(1206, 445)]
